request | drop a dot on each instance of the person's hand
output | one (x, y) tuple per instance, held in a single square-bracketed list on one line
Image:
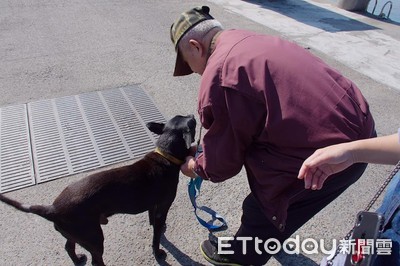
[(188, 166), (323, 163)]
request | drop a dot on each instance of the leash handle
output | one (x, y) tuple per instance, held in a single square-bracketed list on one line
[(194, 191), (217, 222)]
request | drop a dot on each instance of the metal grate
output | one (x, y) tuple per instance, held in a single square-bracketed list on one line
[(16, 169), (79, 133)]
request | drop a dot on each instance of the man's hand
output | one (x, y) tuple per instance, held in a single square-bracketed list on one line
[(188, 167)]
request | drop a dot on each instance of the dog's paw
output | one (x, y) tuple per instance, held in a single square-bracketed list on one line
[(81, 260), (160, 254)]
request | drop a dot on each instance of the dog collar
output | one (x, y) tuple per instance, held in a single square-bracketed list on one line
[(169, 157)]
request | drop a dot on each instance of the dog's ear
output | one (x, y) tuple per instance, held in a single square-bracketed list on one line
[(187, 136), (156, 128)]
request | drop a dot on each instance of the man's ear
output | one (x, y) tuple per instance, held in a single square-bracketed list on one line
[(156, 128), (196, 46)]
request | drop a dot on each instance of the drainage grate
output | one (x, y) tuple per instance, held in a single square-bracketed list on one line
[(16, 169), (78, 133)]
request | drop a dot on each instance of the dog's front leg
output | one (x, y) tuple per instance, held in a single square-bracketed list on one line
[(152, 211), (160, 216)]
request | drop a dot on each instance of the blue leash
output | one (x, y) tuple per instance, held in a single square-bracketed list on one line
[(217, 223)]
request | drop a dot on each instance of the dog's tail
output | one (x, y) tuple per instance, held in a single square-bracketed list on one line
[(41, 210)]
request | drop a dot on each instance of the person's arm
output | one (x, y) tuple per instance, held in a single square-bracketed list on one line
[(233, 122), (333, 159), (381, 150)]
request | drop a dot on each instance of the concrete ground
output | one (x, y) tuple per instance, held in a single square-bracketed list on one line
[(55, 48)]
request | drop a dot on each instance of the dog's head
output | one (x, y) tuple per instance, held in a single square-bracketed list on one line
[(176, 136)]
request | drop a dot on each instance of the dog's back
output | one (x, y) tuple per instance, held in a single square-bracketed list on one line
[(130, 189)]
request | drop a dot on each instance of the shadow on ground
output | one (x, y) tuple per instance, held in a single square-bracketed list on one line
[(313, 15), (180, 257)]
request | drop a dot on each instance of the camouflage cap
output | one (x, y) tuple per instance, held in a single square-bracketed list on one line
[(185, 22)]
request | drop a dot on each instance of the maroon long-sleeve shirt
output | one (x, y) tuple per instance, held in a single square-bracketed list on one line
[(268, 104)]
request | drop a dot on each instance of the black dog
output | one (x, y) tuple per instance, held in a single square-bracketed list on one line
[(149, 184)]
